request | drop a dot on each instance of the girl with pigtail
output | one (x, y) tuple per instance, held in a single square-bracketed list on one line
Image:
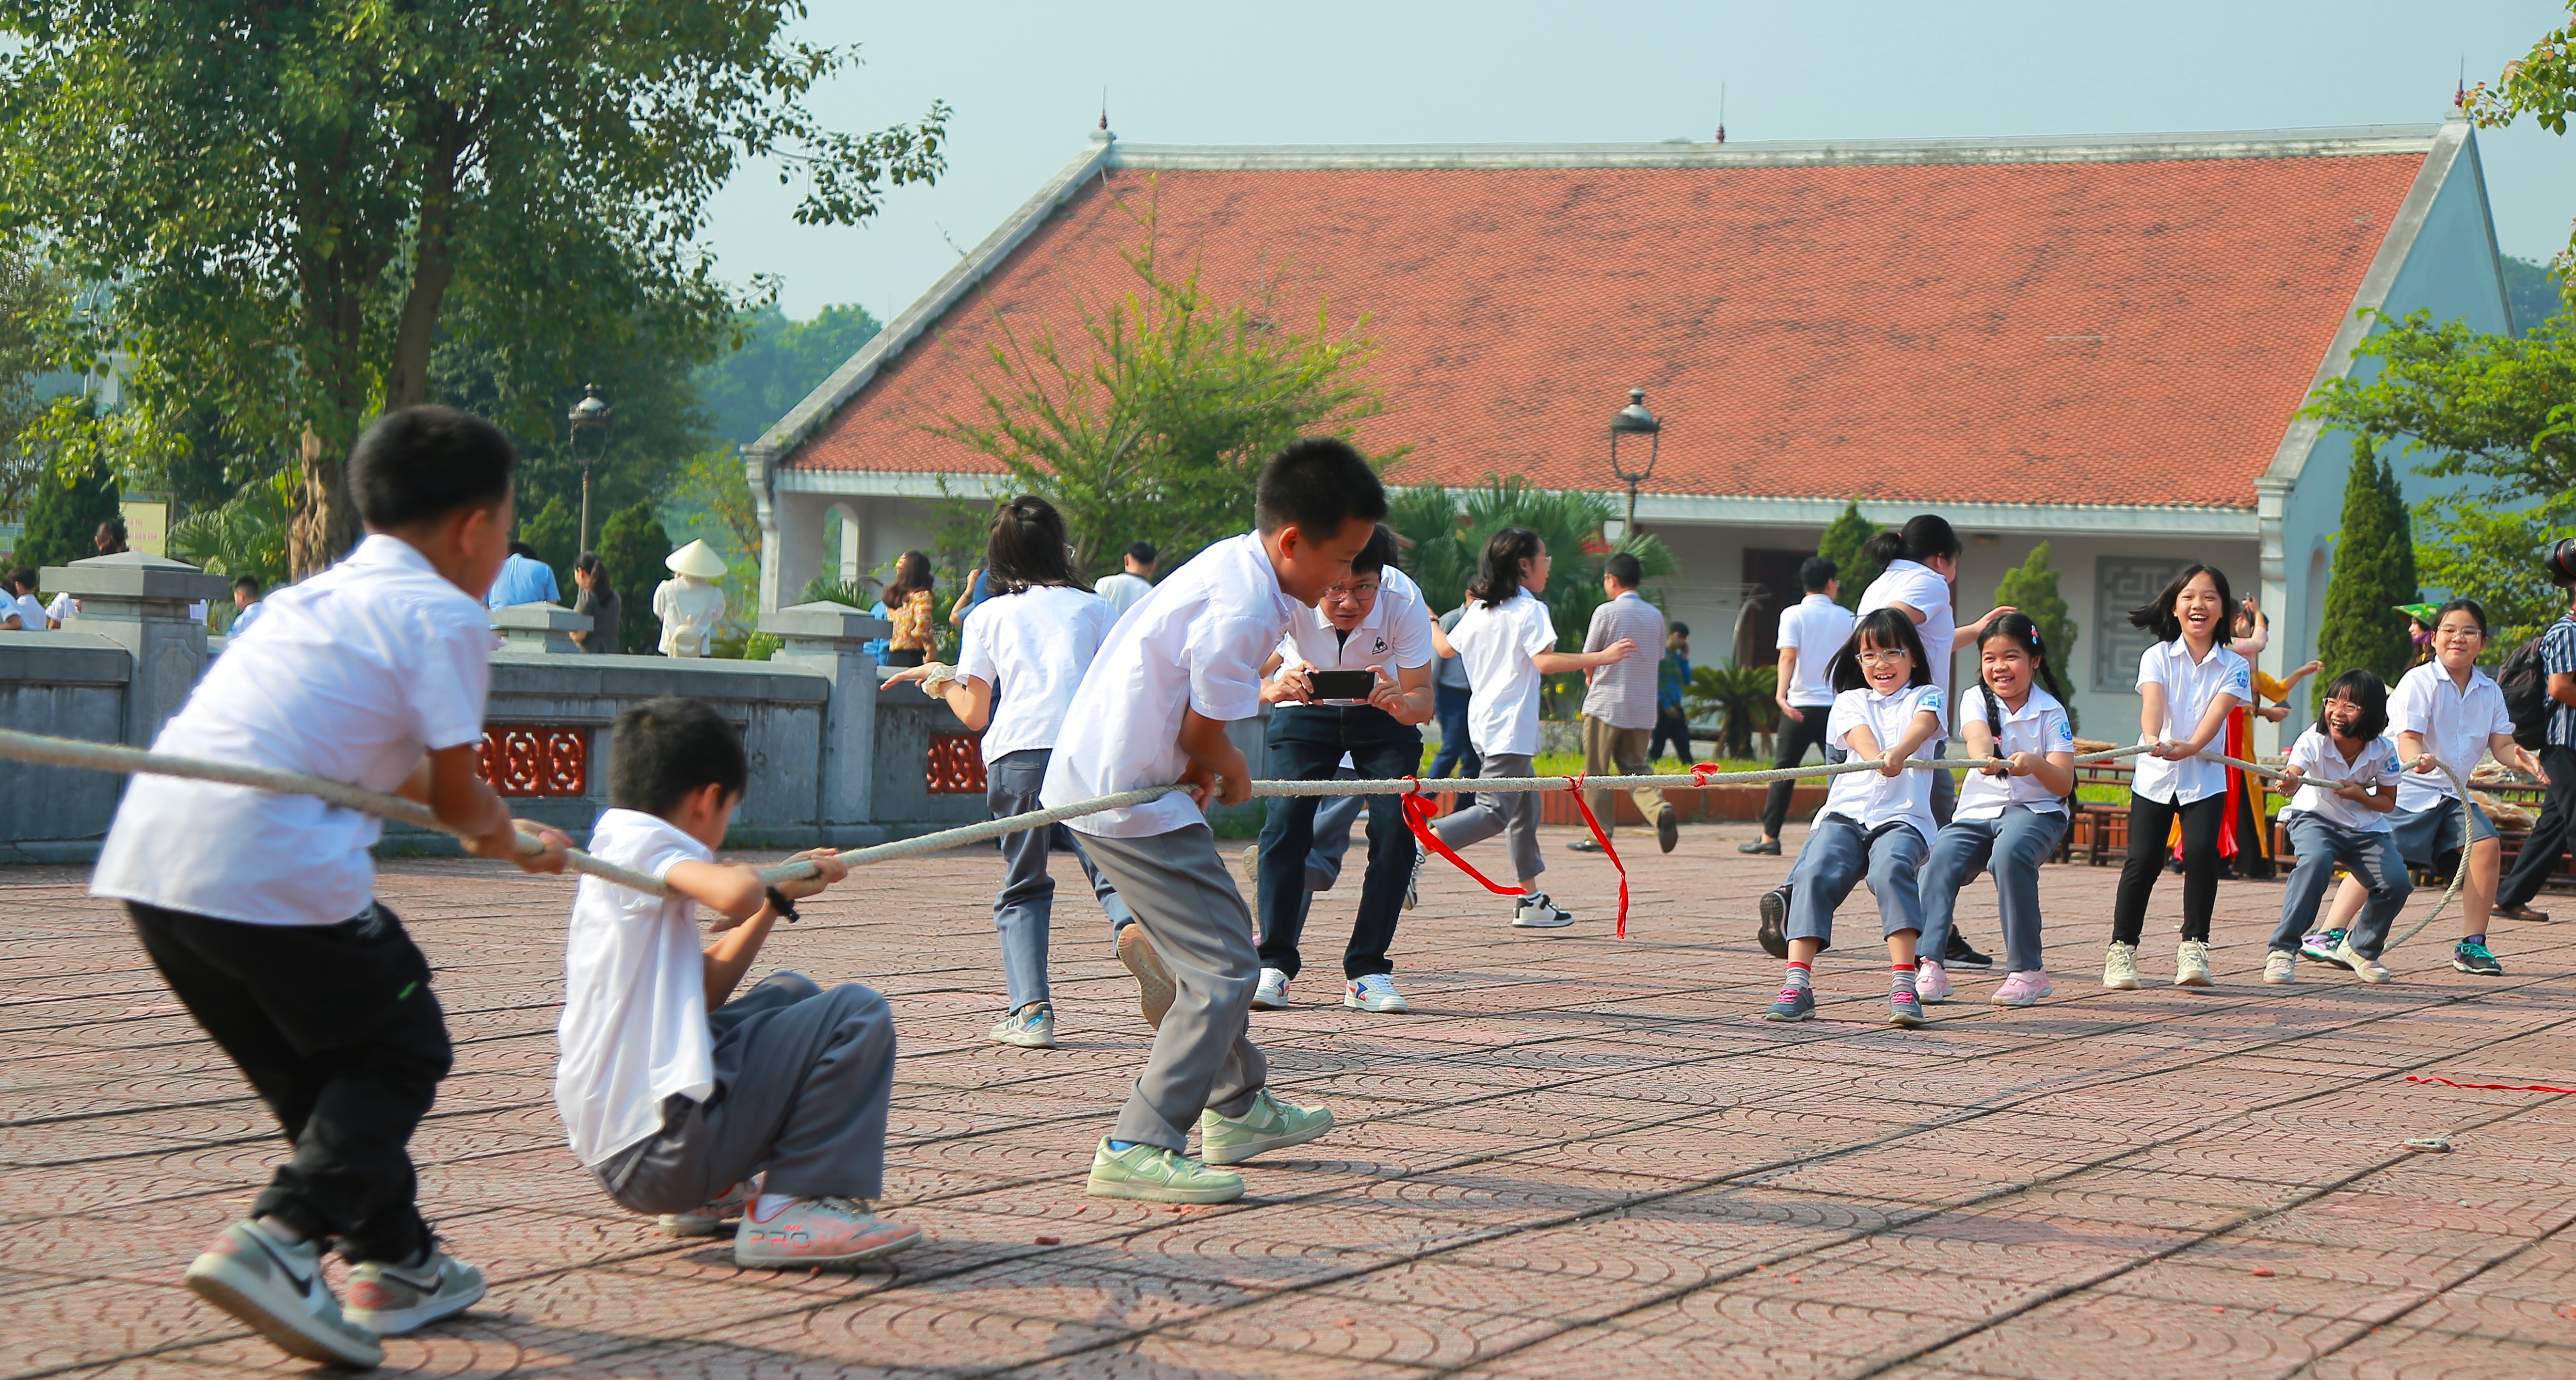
[(2012, 815)]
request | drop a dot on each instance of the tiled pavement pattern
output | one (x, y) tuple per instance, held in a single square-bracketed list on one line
[(1581, 1157)]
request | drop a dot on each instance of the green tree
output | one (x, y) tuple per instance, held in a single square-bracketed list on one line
[(633, 546), (2537, 290), (2374, 574), (777, 364), (32, 295), (291, 196), (1741, 697), (1154, 422), (2031, 587), (1841, 544), (1436, 553), (63, 515), (551, 530), (244, 535)]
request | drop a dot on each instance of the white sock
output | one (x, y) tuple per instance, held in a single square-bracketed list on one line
[(279, 1231), (769, 1205)]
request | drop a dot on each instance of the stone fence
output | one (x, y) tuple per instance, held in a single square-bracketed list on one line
[(835, 757)]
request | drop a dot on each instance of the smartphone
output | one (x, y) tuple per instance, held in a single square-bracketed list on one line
[(1342, 685)]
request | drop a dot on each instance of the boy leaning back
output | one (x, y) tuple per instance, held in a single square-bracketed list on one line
[(1152, 711), (674, 1096), (259, 909)]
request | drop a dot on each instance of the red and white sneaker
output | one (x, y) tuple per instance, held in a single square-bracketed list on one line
[(826, 1233), (709, 1218)]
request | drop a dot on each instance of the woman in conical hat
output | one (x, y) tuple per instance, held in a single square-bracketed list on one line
[(689, 604)]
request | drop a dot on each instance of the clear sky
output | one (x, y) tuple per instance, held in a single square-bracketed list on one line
[(1026, 79)]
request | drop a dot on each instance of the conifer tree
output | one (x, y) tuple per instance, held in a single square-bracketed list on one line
[(2031, 587), (1841, 544), (2374, 574)]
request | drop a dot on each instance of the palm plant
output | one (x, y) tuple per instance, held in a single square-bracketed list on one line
[(1741, 696), (245, 536)]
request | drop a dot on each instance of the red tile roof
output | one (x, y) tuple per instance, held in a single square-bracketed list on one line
[(2073, 332)]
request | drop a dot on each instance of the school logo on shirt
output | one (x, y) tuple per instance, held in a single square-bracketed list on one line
[(1377, 646), (1931, 697), (2243, 681), (2065, 736)]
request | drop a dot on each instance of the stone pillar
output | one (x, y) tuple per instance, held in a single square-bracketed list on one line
[(140, 603), (540, 627), (827, 638)]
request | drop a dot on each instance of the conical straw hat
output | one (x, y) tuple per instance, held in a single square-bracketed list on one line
[(699, 559)]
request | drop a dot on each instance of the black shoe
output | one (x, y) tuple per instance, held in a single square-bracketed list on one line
[(1957, 954), (1584, 846), (1771, 847), (1773, 936), (1668, 829)]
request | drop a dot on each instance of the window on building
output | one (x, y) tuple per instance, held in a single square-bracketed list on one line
[(2121, 583)]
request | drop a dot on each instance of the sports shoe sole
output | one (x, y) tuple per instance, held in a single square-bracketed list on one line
[(2325, 957), (829, 1262), (1237, 1154), (1773, 935), (285, 1330), (1561, 920), (1154, 990), (1906, 1019), (2459, 967), (1968, 963), (1384, 1006), (687, 1224), (1775, 1015), (1021, 1039), (401, 1322), (1262, 1003), (1135, 1191)]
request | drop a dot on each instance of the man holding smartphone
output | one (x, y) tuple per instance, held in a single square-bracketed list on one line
[(1351, 682)]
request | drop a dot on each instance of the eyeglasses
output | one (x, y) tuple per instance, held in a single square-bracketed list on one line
[(1358, 591), (1873, 657)]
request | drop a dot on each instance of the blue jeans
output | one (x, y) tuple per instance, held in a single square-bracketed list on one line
[(1306, 744), (2371, 857), (1024, 909), (1456, 755), (2012, 845), (1836, 855)]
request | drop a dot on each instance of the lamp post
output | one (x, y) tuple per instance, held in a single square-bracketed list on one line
[(590, 414), (1632, 422)]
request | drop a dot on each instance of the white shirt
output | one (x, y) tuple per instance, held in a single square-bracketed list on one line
[(62, 609), (2316, 755), (2039, 726), (1817, 628), (1395, 636), (1122, 590), (1197, 642), (634, 1027), (690, 609), (1865, 797), (1914, 585), (31, 614), (2455, 724), (249, 614), (355, 674), (1032, 648), (2189, 687), (1497, 642)]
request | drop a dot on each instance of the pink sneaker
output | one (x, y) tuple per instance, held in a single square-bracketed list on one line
[(2023, 988), (1930, 983), (831, 1233)]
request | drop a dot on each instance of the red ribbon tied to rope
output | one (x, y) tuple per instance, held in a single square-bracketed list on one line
[(1576, 785), (2490, 1087), (1418, 816)]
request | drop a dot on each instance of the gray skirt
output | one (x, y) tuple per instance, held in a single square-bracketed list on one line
[(2425, 837)]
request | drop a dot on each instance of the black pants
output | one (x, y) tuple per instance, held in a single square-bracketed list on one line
[(337, 1030), (1306, 744), (1793, 739), (1671, 727), (2149, 823), (2550, 834)]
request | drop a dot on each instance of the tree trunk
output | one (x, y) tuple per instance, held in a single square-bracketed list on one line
[(433, 269), (324, 523)]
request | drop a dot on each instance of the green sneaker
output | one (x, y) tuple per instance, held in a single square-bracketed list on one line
[(1152, 1174), (1268, 1124)]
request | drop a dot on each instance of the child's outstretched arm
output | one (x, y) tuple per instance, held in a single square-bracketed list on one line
[(970, 698), (450, 782), (735, 891), (1924, 726), (1216, 764)]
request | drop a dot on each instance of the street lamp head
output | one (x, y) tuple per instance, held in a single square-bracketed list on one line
[(1634, 417), (591, 411), (1634, 421)]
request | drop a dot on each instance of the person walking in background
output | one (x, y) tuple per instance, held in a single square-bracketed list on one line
[(1131, 583), (1810, 635), (524, 580), (908, 606), (108, 540), (1672, 678), (2556, 827), (1619, 704), (690, 604), (1451, 696), (598, 598)]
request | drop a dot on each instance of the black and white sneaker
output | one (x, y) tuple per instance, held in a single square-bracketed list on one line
[(1957, 954), (1773, 935), (1538, 911)]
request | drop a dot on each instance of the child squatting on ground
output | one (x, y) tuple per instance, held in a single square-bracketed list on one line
[(1879, 824), (2010, 818), (1177, 668), (674, 1096), (2342, 776), (259, 908)]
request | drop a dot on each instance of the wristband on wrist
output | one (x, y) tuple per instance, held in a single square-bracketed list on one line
[(778, 902)]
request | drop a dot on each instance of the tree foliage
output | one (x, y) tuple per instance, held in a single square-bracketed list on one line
[(2374, 574), (2031, 587), (1152, 420), (291, 196), (244, 535), (2541, 84), (2537, 290), (778, 363), (633, 546), (1841, 544), (32, 295), (1740, 697), (64, 514)]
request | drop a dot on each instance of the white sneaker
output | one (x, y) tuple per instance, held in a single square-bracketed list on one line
[(2282, 968), (1030, 1027), (278, 1290), (1930, 982), (397, 1300), (2191, 964), (1539, 911), (1272, 994), (2120, 967), (1376, 992), (2369, 970), (711, 1218)]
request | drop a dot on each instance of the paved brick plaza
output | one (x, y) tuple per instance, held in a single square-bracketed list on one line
[(1581, 1157)]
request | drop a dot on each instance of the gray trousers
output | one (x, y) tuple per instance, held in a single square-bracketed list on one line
[(2371, 857), (1024, 909), (1513, 814), (1203, 1056), (1836, 855), (802, 1078), (2012, 845)]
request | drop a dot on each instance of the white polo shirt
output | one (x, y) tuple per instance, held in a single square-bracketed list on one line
[(2189, 687), (1197, 642), (2040, 726), (1395, 636), (1914, 584), (1816, 628), (1497, 643), (634, 1026), (2316, 755), (2455, 724), (31, 614), (1032, 648), (355, 674), (1866, 797)]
